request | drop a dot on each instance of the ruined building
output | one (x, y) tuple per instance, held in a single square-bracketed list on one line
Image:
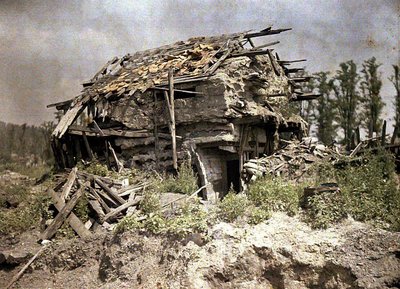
[(216, 101)]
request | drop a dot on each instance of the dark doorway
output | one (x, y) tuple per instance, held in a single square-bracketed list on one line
[(233, 175)]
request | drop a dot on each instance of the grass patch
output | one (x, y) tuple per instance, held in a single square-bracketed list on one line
[(232, 207)]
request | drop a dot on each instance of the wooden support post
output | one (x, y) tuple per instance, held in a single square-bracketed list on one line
[(156, 143), (87, 146), (172, 107), (62, 215), (383, 135)]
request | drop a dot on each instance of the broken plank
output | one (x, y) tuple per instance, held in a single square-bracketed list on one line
[(109, 191), (274, 65), (118, 210), (173, 129), (266, 32), (62, 215), (75, 223), (70, 182), (87, 146), (97, 208)]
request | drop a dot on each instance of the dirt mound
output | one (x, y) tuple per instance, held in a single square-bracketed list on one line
[(280, 253)]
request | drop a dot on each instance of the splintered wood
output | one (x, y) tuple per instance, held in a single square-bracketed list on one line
[(107, 198)]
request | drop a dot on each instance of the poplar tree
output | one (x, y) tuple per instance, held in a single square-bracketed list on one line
[(395, 79), (325, 110), (347, 99), (371, 99)]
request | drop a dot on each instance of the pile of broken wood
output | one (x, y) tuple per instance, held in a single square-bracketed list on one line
[(292, 161), (109, 200)]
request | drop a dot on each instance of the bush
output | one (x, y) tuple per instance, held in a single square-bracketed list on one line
[(191, 218), (274, 194), (232, 206), (325, 208), (369, 192), (184, 183), (258, 215), (31, 209)]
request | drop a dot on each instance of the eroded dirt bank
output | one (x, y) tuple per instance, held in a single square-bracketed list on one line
[(280, 253)]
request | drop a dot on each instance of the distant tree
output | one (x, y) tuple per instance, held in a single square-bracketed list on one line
[(325, 111), (371, 99), (395, 79), (347, 99)]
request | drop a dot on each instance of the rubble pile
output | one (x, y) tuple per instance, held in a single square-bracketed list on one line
[(109, 199), (292, 161)]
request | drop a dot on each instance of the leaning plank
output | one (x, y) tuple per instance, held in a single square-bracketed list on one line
[(120, 165), (22, 271), (118, 210), (97, 208), (109, 191), (87, 146), (62, 215), (75, 223), (274, 66), (173, 130), (68, 185)]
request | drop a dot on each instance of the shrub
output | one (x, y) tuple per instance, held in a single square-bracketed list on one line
[(274, 194), (191, 218), (258, 215), (325, 208), (369, 191), (232, 206), (31, 209), (184, 183), (129, 223)]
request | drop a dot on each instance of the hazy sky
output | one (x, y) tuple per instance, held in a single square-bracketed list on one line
[(48, 48)]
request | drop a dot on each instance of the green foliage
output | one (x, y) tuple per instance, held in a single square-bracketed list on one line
[(31, 208), (368, 192), (395, 80), (191, 218), (95, 168), (258, 215), (232, 206), (373, 104), (26, 144), (325, 209), (185, 182), (151, 202), (347, 98), (325, 110), (274, 194)]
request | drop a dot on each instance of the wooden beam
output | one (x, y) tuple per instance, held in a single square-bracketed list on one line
[(274, 65), (87, 146), (294, 70), (301, 79), (291, 61), (266, 45), (250, 53), (114, 213), (305, 96), (173, 131), (109, 191), (266, 32), (68, 185), (75, 223), (62, 215), (177, 90)]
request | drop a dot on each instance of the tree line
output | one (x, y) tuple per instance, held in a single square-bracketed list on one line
[(350, 99), (25, 143)]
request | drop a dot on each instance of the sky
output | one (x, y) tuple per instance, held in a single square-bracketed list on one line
[(49, 47)]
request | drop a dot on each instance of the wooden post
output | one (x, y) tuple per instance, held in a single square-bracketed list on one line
[(156, 145), (87, 146), (383, 135), (172, 107)]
